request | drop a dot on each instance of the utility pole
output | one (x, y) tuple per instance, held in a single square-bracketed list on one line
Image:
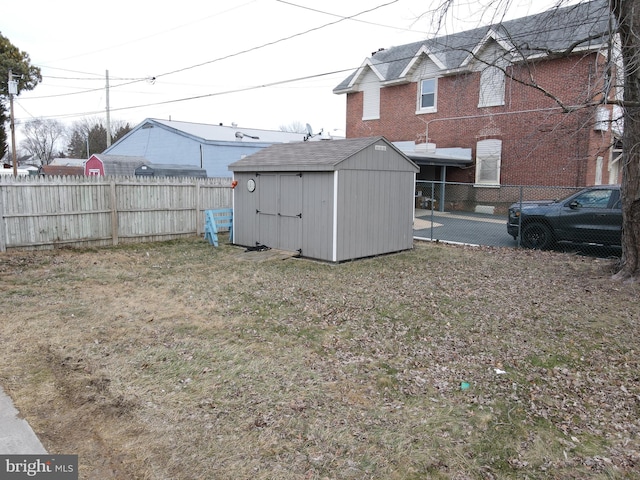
[(108, 115), (13, 90)]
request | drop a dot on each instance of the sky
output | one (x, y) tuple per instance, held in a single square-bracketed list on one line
[(257, 63)]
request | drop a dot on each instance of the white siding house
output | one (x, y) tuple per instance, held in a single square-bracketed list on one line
[(212, 147)]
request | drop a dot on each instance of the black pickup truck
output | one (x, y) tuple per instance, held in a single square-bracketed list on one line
[(590, 216)]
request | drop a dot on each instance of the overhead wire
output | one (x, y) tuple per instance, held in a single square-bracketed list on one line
[(304, 7), (208, 95), (341, 19), (254, 87), (280, 40), (160, 33)]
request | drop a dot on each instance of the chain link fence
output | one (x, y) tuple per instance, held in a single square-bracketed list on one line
[(512, 216)]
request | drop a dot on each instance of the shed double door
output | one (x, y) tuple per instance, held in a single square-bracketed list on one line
[(279, 212)]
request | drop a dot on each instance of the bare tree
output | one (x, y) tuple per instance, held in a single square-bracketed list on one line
[(623, 38), (294, 127), (627, 15), (42, 138)]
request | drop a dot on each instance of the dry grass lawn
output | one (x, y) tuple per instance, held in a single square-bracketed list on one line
[(184, 361)]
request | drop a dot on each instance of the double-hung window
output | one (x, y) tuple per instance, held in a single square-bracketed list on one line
[(488, 156), (427, 101)]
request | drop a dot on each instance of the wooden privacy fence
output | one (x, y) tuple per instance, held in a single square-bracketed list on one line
[(50, 212)]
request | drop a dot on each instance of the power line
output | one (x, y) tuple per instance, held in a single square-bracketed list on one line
[(89, 90), (472, 43), (158, 33), (86, 78), (345, 18), (341, 19), (207, 95), (268, 44)]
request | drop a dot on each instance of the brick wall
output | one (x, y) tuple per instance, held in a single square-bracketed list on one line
[(544, 147)]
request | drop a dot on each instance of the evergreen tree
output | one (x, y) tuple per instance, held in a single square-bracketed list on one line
[(18, 62)]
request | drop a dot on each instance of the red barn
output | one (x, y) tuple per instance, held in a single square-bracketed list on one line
[(94, 167)]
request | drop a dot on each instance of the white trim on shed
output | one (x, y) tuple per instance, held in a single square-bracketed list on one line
[(355, 198)]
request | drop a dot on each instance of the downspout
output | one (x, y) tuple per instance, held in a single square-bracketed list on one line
[(334, 237), (443, 177)]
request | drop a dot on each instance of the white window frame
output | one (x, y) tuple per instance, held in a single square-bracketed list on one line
[(488, 150), (434, 107), (599, 167), (615, 160)]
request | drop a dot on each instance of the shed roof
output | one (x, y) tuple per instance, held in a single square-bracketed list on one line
[(120, 164), (62, 170), (577, 27), (310, 156), (68, 162), (421, 154), (171, 170)]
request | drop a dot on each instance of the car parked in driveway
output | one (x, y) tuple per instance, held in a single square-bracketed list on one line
[(591, 216)]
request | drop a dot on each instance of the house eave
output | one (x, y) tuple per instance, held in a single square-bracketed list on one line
[(442, 73), (438, 160), (448, 157), (551, 55), (341, 91)]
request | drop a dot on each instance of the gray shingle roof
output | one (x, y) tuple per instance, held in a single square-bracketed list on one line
[(120, 164), (171, 170), (585, 25), (306, 156)]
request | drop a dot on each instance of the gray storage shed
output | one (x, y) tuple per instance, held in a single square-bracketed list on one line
[(333, 200)]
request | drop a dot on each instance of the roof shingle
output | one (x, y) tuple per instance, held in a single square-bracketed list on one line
[(585, 25), (306, 156)]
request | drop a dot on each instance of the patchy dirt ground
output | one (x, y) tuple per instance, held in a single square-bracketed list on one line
[(183, 361)]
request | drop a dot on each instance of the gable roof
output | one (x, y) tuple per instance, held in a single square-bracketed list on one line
[(120, 164), (209, 133), (170, 170), (585, 26), (309, 156)]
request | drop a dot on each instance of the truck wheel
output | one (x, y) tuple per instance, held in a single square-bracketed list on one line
[(537, 235)]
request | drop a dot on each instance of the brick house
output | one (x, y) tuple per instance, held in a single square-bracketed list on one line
[(462, 106)]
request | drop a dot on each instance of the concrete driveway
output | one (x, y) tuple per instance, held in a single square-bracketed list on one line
[(462, 227)]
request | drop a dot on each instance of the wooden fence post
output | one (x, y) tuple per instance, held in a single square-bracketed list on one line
[(3, 230), (45, 212), (114, 214), (198, 222)]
